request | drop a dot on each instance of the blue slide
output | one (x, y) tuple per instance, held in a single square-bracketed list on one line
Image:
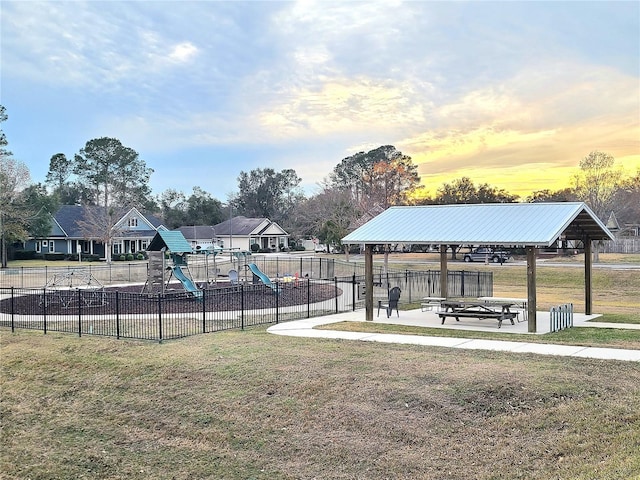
[(187, 283), (263, 278)]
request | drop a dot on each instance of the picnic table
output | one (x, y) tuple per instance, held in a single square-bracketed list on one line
[(429, 303), (478, 309), (520, 303)]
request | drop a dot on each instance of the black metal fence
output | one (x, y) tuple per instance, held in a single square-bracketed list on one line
[(202, 269), (121, 314)]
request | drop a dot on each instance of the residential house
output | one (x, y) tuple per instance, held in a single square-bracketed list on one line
[(72, 232), (239, 233)]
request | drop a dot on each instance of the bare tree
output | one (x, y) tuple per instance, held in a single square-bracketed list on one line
[(14, 177), (596, 184)]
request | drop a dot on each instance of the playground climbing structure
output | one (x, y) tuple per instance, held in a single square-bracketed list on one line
[(171, 246), (72, 288)]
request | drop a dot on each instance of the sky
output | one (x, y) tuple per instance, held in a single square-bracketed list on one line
[(513, 94)]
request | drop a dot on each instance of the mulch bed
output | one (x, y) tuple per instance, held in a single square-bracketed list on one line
[(131, 300)]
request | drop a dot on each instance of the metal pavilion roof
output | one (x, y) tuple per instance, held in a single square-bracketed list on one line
[(530, 224)]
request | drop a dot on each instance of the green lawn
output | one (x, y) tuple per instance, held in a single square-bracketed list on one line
[(250, 405), (594, 337)]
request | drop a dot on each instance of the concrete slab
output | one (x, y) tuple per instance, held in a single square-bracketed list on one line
[(306, 328)]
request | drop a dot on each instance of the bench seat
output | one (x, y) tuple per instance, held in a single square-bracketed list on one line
[(500, 316)]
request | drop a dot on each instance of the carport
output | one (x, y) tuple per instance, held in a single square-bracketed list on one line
[(528, 225)]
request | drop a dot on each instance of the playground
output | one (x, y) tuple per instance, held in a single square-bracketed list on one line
[(219, 297)]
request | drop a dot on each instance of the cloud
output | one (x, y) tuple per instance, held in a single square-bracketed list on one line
[(479, 87)]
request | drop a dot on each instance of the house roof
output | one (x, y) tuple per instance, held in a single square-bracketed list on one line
[(70, 218), (198, 232), (531, 224), (173, 241), (244, 226)]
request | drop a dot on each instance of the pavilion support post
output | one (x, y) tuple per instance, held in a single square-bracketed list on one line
[(588, 271), (443, 272), (531, 290), (368, 282)]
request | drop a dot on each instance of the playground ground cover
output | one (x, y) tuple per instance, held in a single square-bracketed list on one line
[(250, 405), (219, 297)]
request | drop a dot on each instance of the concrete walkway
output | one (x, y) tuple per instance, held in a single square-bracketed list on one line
[(305, 328)]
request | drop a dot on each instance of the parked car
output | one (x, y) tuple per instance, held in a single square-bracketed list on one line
[(483, 254)]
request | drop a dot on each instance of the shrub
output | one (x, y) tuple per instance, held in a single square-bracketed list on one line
[(255, 247), (129, 257), (139, 256), (54, 256), (24, 254)]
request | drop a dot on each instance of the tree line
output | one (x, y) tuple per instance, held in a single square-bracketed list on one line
[(106, 174)]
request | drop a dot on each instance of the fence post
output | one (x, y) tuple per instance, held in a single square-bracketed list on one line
[(242, 306), (309, 297), (44, 308), (353, 292), (277, 293), (13, 306), (159, 318), (204, 310), (335, 291), (117, 315), (79, 314)]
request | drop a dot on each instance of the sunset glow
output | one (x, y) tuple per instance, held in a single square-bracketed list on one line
[(513, 94)]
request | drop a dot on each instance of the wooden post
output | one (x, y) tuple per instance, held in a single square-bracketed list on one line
[(443, 272), (531, 290), (368, 282), (588, 299)]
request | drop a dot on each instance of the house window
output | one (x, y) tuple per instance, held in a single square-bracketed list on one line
[(52, 246), (45, 244), (143, 245), (133, 222), (116, 249), (38, 247)]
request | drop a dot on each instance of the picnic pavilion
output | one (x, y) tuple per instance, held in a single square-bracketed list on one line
[(528, 225)]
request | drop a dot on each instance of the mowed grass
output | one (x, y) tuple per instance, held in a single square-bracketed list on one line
[(615, 290), (251, 405)]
